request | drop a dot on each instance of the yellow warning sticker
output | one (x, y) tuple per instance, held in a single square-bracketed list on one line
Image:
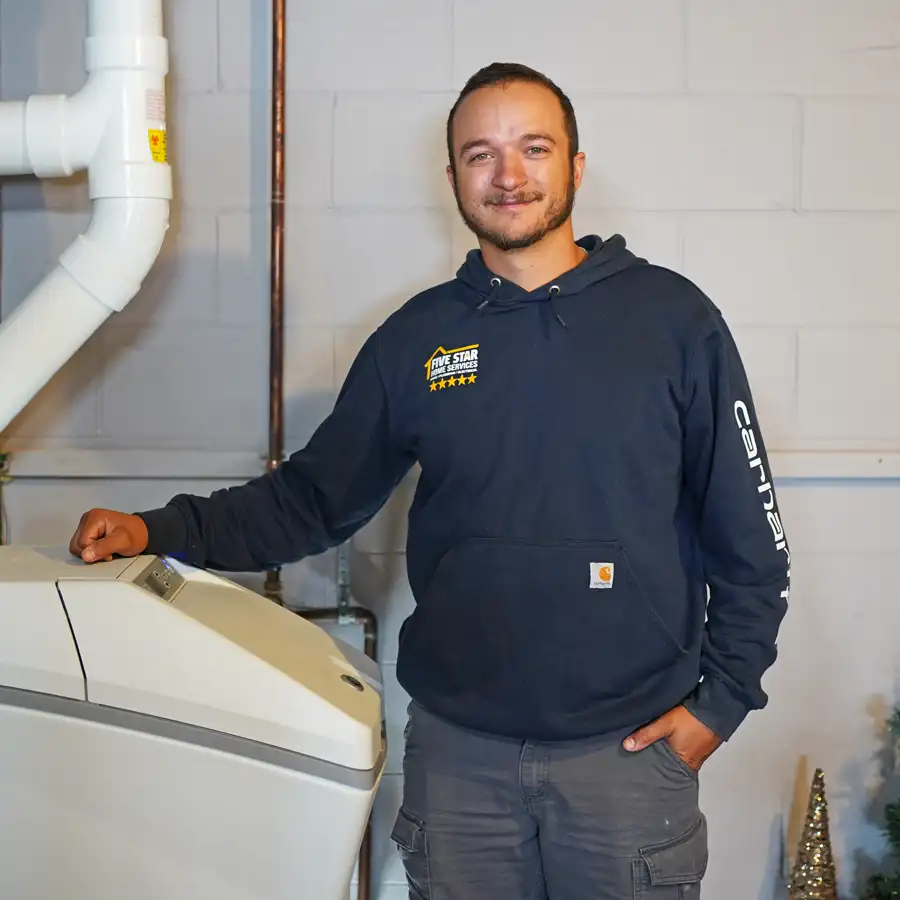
[(158, 145)]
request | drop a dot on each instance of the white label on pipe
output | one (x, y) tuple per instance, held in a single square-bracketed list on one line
[(155, 105)]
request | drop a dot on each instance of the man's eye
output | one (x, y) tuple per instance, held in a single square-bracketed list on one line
[(537, 149)]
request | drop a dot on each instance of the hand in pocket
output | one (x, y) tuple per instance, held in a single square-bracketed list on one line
[(686, 735)]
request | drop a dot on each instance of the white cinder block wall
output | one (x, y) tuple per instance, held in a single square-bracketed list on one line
[(753, 146)]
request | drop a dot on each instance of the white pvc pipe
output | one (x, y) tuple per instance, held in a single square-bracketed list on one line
[(13, 155), (75, 299), (115, 17), (115, 127), (65, 318)]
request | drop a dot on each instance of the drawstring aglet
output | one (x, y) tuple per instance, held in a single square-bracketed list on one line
[(554, 292)]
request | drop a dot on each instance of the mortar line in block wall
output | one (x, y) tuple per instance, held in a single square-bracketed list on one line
[(215, 466), (799, 138)]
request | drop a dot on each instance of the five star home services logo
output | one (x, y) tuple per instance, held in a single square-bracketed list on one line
[(452, 368)]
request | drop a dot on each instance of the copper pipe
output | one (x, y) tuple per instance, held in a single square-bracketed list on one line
[(354, 615), (273, 588)]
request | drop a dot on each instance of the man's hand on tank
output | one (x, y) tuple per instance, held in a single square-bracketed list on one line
[(105, 533)]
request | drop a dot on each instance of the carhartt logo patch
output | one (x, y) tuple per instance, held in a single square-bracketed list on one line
[(452, 368), (602, 575)]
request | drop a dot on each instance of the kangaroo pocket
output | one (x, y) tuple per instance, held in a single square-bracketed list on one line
[(565, 625)]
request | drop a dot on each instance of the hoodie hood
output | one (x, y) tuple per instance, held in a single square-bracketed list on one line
[(489, 291)]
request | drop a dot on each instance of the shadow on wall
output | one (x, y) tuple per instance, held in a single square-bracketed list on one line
[(773, 883), (374, 585)]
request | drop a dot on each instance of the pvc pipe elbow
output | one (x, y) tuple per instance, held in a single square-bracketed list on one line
[(116, 128), (99, 274), (113, 257)]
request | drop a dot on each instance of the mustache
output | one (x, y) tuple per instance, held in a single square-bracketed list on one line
[(509, 199)]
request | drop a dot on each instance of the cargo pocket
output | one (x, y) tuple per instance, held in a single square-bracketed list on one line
[(411, 841), (674, 869)]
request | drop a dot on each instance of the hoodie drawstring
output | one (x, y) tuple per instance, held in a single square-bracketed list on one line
[(495, 287), (554, 291)]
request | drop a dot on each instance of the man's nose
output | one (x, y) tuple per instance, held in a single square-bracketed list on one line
[(509, 173)]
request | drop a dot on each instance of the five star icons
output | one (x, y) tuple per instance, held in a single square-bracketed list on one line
[(453, 381)]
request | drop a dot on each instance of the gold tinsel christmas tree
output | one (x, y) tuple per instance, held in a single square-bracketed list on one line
[(813, 876)]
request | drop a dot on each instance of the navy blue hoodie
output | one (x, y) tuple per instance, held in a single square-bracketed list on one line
[(591, 461)]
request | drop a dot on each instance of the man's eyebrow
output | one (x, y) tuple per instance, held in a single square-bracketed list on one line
[(539, 136), (471, 145), (483, 142)]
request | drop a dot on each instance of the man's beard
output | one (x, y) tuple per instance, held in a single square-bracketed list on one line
[(556, 215)]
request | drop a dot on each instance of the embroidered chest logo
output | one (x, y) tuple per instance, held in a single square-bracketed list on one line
[(452, 368)]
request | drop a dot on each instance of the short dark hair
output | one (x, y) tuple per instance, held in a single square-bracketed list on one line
[(505, 73)]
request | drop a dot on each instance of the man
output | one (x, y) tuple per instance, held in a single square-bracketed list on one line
[(590, 463)]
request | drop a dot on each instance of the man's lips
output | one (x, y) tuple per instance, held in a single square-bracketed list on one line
[(512, 206)]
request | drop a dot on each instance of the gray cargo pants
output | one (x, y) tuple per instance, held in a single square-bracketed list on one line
[(485, 818)]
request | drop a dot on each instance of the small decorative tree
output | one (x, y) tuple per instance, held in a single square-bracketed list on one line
[(886, 885), (813, 876)]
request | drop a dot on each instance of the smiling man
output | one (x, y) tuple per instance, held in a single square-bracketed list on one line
[(595, 548)]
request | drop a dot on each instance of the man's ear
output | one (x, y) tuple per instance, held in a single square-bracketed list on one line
[(578, 165), (450, 177)]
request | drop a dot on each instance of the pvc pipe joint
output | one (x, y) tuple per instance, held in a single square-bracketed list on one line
[(115, 127)]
